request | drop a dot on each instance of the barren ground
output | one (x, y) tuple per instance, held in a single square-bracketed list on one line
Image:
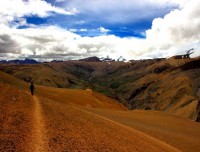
[(77, 120)]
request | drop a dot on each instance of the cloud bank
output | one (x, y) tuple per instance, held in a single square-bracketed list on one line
[(176, 32)]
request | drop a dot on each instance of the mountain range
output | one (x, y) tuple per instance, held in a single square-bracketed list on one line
[(89, 59), (68, 111), (169, 85)]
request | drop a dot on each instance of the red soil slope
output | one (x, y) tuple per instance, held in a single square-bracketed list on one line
[(77, 120), (40, 124), (179, 132)]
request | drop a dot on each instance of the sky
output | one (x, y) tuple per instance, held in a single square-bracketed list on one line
[(47, 30)]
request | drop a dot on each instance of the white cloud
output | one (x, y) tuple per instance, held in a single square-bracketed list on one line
[(103, 30), (11, 10), (83, 30), (117, 12), (73, 30), (58, 1), (169, 2), (55, 42), (177, 31)]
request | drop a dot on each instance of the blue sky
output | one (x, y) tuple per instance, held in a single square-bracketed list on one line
[(110, 18), (73, 29)]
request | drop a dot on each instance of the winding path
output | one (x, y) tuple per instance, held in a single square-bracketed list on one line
[(39, 137)]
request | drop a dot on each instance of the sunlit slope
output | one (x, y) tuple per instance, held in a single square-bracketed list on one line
[(41, 124), (9, 79), (68, 96), (43, 74), (79, 97), (81, 120), (168, 85), (16, 115), (179, 132)]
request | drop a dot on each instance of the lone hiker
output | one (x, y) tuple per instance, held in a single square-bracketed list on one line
[(32, 88)]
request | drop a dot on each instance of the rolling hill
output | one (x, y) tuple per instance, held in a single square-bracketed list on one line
[(169, 85), (57, 119)]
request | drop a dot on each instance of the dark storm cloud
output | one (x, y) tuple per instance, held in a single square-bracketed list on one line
[(8, 45)]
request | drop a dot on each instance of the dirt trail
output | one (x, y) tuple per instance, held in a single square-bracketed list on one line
[(39, 124), (152, 139), (39, 137)]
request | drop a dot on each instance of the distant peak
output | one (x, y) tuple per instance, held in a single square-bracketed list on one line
[(91, 59)]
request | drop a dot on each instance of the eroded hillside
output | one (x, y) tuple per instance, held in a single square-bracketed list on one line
[(57, 119), (169, 85)]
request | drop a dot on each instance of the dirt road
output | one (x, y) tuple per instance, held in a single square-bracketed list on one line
[(38, 123)]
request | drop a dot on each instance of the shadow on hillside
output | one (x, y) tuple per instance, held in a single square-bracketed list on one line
[(192, 69), (191, 65)]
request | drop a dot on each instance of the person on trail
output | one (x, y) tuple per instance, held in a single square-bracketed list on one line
[(32, 88)]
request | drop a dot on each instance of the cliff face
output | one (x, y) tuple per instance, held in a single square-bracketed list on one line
[(169, 85)]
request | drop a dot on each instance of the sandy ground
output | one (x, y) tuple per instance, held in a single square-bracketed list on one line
[(73, 129), (16, 120), (41, 124), (61, 120), (181, 133)]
